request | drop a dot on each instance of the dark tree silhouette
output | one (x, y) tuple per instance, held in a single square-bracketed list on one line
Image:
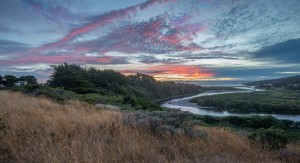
[(87, 80), (9, 81), (24, 80)]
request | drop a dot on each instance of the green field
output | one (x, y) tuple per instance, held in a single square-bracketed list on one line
[(271, 101)]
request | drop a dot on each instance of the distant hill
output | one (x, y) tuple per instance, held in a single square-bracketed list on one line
[(292, 82)]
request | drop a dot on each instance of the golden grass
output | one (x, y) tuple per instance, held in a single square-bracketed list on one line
[(40, 130)]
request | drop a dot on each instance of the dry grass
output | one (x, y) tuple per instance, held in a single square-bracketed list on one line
[(40, 130)]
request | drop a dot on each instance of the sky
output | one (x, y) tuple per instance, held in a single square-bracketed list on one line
[(169, 39)]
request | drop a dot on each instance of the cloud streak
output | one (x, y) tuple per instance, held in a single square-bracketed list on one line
[(158, 35), (170, 39), (59, 59), (103, 20), (174, 72), (7, 47)]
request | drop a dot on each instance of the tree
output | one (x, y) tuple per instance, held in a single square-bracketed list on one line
[(87, 80), (1, 81), (107, 78), (71, 77), (24, 80), (9, 81), (31, 80)]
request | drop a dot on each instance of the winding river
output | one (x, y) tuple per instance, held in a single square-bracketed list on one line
[(184, 105)]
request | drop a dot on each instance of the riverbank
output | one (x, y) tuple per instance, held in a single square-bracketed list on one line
[(203, 89), (185, 105), (269, 102)]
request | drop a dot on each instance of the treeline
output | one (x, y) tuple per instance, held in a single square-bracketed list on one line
[(8, 81), (91, 80), (292, 83), (88, 84)]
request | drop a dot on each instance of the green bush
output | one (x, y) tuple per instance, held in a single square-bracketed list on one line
[(58, 94), (93, 98), (210, 119), (31, 87), (271, 138)]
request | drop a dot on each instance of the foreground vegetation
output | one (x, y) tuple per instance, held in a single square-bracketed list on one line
[(40, 130), (252, 124), (124, 102), (270, 101), (80, 112)]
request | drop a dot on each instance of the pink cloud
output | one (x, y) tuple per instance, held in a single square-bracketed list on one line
[(103, 20), (191, 72), (57, 60)]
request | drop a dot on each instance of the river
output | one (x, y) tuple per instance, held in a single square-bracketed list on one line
[(184, 105)]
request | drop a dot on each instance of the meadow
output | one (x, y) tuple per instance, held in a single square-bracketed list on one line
[(38, 129)]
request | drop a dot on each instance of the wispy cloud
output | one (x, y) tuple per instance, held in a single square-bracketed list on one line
[(167, 38), (57, 59), (289, 72), (7, 47)]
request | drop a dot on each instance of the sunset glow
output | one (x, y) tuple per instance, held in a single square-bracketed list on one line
[(169, 39)]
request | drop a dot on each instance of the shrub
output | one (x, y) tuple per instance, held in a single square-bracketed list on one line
[(193, 122), (271, 138), (210, 119), (195, 133), (58, 94), (163, 123), (166, 130), (32, 87)]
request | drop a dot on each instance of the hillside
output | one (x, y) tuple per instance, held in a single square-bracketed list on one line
[(70, 81), (292, 82), (91, 80), (40, 130)]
